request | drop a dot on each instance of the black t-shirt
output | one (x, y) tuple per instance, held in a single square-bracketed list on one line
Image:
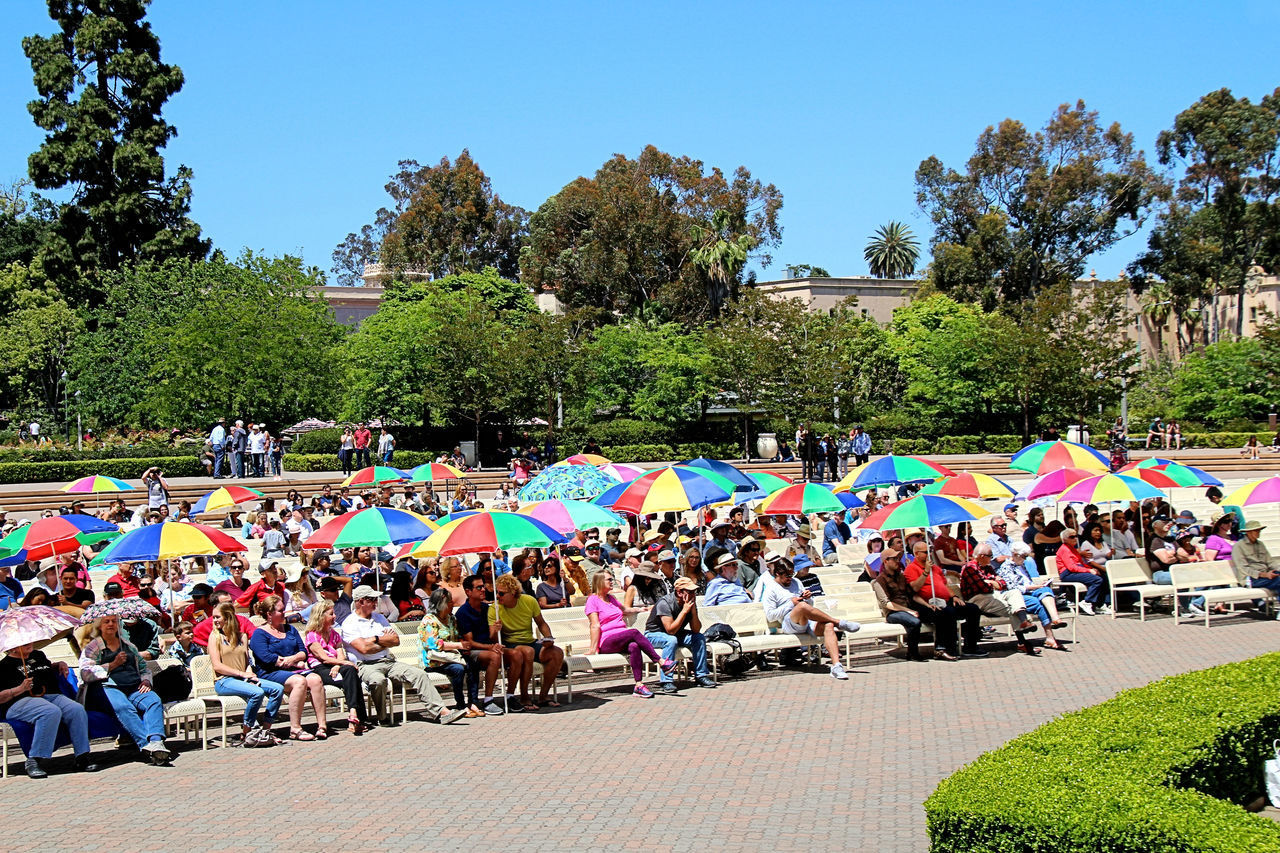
[(44, 677), (1155, 543), (79, 597)]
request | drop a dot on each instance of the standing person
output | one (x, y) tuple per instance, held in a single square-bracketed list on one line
[(258, 449), (218, 441), (360, 440), (386, 446), (861, 446), (157, 487), (809, 452), (833, 455), (239, 444), (346, 450), (844, 448)]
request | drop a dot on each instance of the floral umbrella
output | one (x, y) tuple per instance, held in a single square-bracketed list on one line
[(38, 625), (566, 482), (125, 608)]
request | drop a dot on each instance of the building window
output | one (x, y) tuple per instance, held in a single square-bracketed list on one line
[(1253, 314)]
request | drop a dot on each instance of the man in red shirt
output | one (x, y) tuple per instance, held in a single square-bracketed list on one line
[(362, 437), (269, 585), (127, 579), (943, 609), (205, 626), (1073, 568), (201, 607)]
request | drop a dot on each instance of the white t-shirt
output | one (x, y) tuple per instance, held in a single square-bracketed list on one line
[(35, 429), (356, 628), (258, 442)]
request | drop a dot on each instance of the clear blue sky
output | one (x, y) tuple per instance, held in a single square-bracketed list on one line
[(295, 113)]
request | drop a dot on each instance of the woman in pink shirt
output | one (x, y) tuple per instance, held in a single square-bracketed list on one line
[(327, 659), (610, 634)]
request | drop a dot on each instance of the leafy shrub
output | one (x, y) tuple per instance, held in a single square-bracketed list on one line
[(640, 452), (123, 469), (47, 453), (1157, 768), (318, 441), (314, 463)]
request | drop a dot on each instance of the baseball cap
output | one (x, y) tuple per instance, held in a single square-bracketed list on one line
[(201, 589), (664, 556), (329, 584), (634, 552), (363, 592), (685, 583)]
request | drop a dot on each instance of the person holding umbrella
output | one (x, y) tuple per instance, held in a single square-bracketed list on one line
[(30, 691), (111, 659)]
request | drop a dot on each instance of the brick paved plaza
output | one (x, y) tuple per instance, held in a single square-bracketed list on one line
[(780, 761)]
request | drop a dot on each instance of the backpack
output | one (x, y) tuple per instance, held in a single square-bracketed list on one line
[(172, 684), (738, 663)]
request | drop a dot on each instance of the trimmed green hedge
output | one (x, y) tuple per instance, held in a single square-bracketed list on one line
[(316, 462), (1157, 768), (47, 453), (123, 469), (318, 441)]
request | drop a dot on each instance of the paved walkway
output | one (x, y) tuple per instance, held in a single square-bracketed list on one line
[(781, 761)]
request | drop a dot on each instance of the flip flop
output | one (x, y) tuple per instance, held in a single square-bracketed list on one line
[(529, 707), (301, 734)]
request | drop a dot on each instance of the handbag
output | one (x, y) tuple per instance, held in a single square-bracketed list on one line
[(1272, 768), (444, 656)]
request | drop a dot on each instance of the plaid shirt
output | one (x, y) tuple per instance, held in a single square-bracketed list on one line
[(979, 580)]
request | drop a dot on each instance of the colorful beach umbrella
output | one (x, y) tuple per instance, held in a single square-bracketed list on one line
[(566, 482), (486, 532), (969, 485), (1052, 483), (765, 483), (169, 541), (374, 527), (924, 511), (724, 469), (376, 475), (801, 499), (1109, 488), (893, 471), (434, 472), (59, 534), (1265, 491), (1184, 475), (622, 472), (568, 516), (669, 489), (1153, 476), (95, 484), (1044, 456), (227, 496), (584, 459)]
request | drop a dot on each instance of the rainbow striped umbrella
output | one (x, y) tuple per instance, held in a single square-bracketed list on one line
[(1265, 491), (169, 541), (622, 472), (724, 469), (431, 472), (374, 527), (568, 516), (801, 499), (584, 459), (924, 511), (1045, 456), (376, 475), (51, 537), (225, 497), (486, 532), (969, 485), (1109, 488), (892, 470), (96, 483), (1154, 476), (1052, 483), (669, 489), (765, 484), (1184, 475)]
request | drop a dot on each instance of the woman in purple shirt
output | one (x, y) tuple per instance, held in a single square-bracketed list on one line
[(1218, 544)]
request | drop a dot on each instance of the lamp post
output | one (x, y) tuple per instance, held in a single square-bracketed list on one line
[(65, 419), (79, 431)]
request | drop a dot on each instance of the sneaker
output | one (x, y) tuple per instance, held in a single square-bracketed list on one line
[(643, 692), (837, 671), (1195, 610), (1105, 610), (156, 752), (974, 653), (493, 709), (668, 688), (1086, 608), (667, 664), (706, 681), (451, 716), (848, 626)]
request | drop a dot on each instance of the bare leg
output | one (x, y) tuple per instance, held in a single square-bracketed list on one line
[(296, 688), (830, 643), (316, 687), (552, 658)]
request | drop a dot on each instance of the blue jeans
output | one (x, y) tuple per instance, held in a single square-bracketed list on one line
[(219, 456), (1034, 599), (666, 645), (140, 714), (1184, 601), (1096, 591), (46, 713), (252, 694), (457, 673), (912, 626), (237, 463)]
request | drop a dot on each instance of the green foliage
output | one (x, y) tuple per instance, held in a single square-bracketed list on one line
[(318, 441), (1157, 768), (188, 341), (444, 220), (101, 89), (624, 241), (635, 370), (48, 453), (508, 298), (38, 343), (1063, 193), (124, 469), (1222, 382), (315, 463), (893, 251)]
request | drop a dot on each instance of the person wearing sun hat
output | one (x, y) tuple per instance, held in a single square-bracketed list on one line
[(1252, 562), (674, 623)]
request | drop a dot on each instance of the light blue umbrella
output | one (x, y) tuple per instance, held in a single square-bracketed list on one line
[(566, 482)]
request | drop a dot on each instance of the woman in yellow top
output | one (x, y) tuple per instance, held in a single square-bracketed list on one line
[(518, 613)]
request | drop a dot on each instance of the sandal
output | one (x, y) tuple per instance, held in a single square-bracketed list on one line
[(551, 703), (472, 713), (322, 733), (1053, 645), (300, 734), (357, 728), (528, 706)]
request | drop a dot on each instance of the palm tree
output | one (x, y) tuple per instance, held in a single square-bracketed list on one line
[(721, 253), (892, 251), (1155, 306)]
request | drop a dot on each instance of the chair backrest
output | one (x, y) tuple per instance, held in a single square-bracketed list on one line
[(202, 676), (849, 554), (1051, 566), (742, 618), (1193, 575), (1127, 571), (776, 546)]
